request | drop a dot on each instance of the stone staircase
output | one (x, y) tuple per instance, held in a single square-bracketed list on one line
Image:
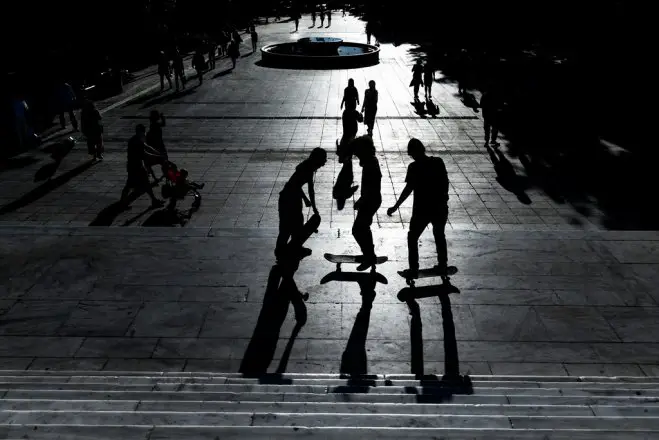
[(135, 405)]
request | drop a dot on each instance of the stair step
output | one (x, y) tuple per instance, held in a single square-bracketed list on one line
[(144, 418), (106, 432)]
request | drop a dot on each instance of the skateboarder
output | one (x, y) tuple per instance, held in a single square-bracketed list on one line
[(291, 218), (427, 177), (369, 202)]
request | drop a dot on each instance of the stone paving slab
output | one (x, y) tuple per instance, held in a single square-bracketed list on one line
[(114, 301)]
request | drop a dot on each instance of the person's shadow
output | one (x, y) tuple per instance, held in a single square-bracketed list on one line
[(508, 177), (343, 188), (354, 360), (281, 291), (470, 101), (419, 107), (452, 382), (432, 108)]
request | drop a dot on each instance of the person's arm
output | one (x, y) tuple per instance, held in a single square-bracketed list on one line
[(150, 151), (403, 196), (343, 101), (312, 197), (162, 119)]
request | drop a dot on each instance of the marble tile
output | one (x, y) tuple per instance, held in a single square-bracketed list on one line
[(100, 318), (138, 348), (174, 319)]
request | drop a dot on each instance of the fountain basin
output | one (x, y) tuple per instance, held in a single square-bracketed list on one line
[(320, 53)]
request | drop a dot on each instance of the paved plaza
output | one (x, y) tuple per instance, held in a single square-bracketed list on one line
[(545, 288)]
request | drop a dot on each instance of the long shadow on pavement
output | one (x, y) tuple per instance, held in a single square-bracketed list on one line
[(354, 360), (45, 188)]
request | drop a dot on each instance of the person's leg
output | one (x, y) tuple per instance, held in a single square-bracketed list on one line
[(495, 131), (169, 80), (438, 227), (417, 225), (162, 82), (486, 126), (285, 228), (62, 121), (416, 90), (74, 121)]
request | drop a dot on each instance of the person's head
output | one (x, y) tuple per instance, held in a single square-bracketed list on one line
[(363, 147), (154, 116), (140, 130), (351, 82), (318, 157), (183, 173), (371, 84), (415, 148)]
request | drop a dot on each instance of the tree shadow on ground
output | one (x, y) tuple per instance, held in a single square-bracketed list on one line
[(45, 188)]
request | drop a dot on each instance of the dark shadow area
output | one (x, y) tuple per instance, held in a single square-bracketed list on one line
[(225, 72), (15, 163), (343, 188), (354, 360), (46, 188), (508, 177), (108, 214), (419, 108), (281, 290), (470, 101), (162, 217), (452, 382), (432, 108), (354, 277), (58, 151)]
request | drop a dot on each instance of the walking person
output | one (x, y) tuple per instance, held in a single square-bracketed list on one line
[(255, 38), (163, 71), (491, 106), (321, 15), (179, 70), (138, 178), (154, 140), (370, 200), (350, 96), (65, 102), (370, 106), (212, 47), (329, 17), (234, 52), (417, 78), (313, 16), (428, 79), (296, 17), (199, 64), (428, 179), (92, 129), (291, 218)]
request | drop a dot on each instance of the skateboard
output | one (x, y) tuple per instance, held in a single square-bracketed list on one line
[(427, 273), (354, 259), (309, 228)]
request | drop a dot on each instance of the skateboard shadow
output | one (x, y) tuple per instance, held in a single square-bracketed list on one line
[(281, 291), (418, 292), (355, 277)]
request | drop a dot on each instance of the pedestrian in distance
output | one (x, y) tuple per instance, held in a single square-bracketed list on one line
[(138, 178), (417, 78), (91, 123), (199, 64), (255, 38), (164, 71), (370, 106)]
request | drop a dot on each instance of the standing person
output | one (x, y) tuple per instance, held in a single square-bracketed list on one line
[(491, 106), (321, 15), (350, 96), (199, 64), (313, 16), (212, 47), (427, 177), (329, 17), (417, 78), (154, 139), (163, 71), (369, 202), (255, 39), (138, 177), (65, 100), (291, 219), (296, 17), (92, 129), (234, 52), (179, 69), (428, 79), (370, 106), (369, 31)]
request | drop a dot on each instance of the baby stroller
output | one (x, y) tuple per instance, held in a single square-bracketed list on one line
[(177, 186)]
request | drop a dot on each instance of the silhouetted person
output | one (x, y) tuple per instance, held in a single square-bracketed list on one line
[(179, 70), (199, 64), (370, 106), (234, 52), (427, 177), (154, 138), (350, 96), (462, 70), (163, 71), (417, 78), (255, 38), (138, 177), (369, 202), (369, 31), (291, 218), (350, 127), (212, 47), (64, 100), (92, 128), (428, 79), (224, 42), (313, 16), (491, 105), (329, 17), (321, 14), (296, 17)]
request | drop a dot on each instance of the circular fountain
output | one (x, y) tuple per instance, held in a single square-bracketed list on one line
[(320, 53)]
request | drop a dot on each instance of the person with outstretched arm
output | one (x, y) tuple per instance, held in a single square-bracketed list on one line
[(428, 179)]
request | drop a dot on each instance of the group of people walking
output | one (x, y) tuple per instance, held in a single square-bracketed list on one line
[(426, 177)]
